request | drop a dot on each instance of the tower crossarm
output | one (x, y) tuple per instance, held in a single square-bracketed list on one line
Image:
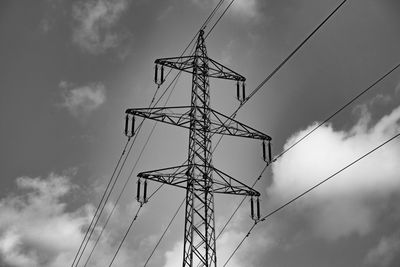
[(181, 116), (177, 176), (215, 69)]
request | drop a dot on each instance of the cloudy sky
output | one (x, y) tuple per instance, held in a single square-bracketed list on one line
[(69, 69)]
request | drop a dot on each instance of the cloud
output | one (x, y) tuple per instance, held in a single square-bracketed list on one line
[(245, 8), (165, 13), (351, 203), (95, 21), (385, 252), (34, 224), (81, 101), (242, 8), (36, 228)]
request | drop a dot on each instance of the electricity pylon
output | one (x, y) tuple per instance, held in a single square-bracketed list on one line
[(198, 176)]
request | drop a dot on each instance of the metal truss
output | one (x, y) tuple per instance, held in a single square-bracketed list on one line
[(187, 64), (181, 116), (198, 177), (178, 176)]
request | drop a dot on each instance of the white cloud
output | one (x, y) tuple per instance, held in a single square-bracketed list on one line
[(95, 21), (81, 101), (385, 252), (245, 8), (34, 224), (350, 203), (241, 8), (37, 230)]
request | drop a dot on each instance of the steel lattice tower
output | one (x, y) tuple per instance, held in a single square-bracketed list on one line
[(198, 176)]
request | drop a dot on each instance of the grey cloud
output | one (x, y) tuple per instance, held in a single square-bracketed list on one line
[(83, 100), (95, 21), (385, 252)]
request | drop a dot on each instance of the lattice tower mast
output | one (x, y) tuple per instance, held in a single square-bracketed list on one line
[(197, 176)]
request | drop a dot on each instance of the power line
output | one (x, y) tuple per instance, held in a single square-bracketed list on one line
[(309, 190)]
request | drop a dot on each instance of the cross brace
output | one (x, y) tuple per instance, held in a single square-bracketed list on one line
[(181, 116), (178, 176), (187, 63)]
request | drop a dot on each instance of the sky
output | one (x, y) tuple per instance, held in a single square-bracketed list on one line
[(70, 69)]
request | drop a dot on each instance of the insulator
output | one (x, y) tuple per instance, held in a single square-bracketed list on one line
[(156, 73), (138, 190), (264, 154), (237, 90), (243, 91), (269, 151), (133, 126), (145, 191), (258, 209), (252, 207), (126, 124), (162, 74)]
